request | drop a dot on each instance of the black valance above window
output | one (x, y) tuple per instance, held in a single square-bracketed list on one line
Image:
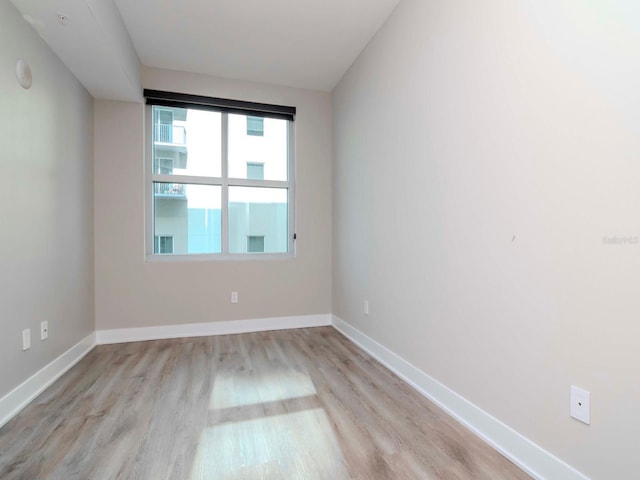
[(183, 100)]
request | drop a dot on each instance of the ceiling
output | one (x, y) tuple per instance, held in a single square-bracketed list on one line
[(299, 43)]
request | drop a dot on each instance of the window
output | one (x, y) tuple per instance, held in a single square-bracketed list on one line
[(255, 126), (255, 171), (163, 244), (208, 194), (255, 244)]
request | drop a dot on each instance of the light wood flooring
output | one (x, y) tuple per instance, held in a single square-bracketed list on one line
[(296, 404)]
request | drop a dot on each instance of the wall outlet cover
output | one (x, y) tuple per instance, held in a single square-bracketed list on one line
[(581, 404), (26, 339), (44, 330)]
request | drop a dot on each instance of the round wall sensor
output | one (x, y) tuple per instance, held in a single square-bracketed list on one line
[(23, 73)]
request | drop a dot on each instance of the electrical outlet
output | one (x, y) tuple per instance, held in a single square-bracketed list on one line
[(234, 297), (26, 339), (581, 404), (366, 307), (44, 330)]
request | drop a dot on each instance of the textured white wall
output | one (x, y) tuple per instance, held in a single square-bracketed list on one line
[(46, 226), (465, 124), (131, 292)]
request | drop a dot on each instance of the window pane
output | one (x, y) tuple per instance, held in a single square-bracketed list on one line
[(186, 142), (190, 215), (271, 149), (258, 212)]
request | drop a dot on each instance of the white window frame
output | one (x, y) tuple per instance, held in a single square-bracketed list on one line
[(225, 182)]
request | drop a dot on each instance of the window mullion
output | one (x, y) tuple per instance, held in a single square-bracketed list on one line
[(224, 207), (187, 179), (241, 182)]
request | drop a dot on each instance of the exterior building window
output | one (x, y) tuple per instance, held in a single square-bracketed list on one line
[(164, 166), (210, 185), (255, 244), (255, 171), (163, 244), (255, 126)]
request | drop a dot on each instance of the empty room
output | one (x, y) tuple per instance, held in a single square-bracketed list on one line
[(337, 239)]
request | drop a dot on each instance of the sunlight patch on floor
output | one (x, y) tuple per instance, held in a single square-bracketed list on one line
[(299, 445), (237, 389)]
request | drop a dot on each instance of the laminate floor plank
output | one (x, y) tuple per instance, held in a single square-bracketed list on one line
[(298, 404)]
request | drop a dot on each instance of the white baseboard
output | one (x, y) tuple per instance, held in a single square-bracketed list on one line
[(125, 335), (532, 458), (14, 401)]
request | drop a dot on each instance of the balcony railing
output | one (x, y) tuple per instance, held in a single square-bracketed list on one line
[(166, 133), (176, 189)]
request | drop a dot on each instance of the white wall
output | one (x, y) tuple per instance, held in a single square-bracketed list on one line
[(132, 292), (46, 240), (482, 152)]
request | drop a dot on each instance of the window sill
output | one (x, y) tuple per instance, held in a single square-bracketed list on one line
[(241, 257)]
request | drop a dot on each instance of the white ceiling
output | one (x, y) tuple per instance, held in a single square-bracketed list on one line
[(300, 43)]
